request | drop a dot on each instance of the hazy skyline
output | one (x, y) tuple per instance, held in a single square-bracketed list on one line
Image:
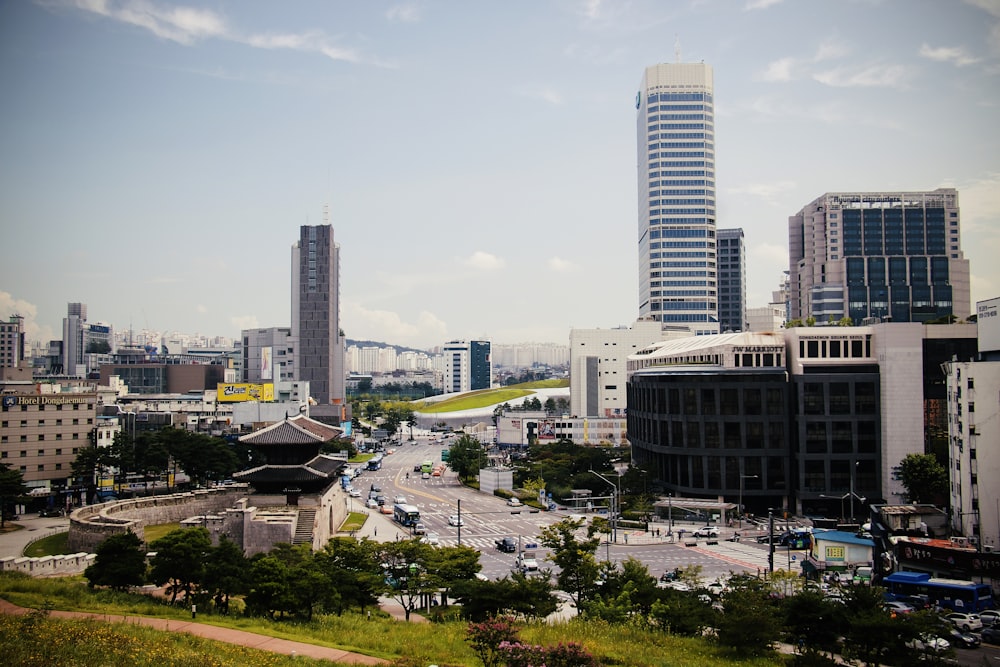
[(479, 159)]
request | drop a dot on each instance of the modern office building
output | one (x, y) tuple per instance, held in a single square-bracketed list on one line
[(732, 275), (467, 366), (973, 410), (676, 180), (878, 256), (12, 342), (268, 355), (318, 339), (597, 364)]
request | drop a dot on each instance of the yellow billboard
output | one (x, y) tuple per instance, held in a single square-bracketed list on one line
[(244, 391)]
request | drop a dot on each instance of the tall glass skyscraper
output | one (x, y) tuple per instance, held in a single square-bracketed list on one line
[(878, 256), (676, 160)]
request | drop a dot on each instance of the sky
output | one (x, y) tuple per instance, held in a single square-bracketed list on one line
[(478, 158)]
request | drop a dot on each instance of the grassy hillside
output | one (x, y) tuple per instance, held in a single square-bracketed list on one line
[(485, 398)]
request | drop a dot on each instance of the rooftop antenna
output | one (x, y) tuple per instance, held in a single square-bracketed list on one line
[(677, 48)]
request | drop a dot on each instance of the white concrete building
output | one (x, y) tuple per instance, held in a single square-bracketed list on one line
[(597, 359)]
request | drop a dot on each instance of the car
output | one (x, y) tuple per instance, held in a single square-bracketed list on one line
[(989, 617), (991, 635), (416, 468), (706, 531), (376, 488), (963, 639), (381, 500), (929, 643), (426, 475), (371, 503), (437, 472), (514, 502), (385, 509), (419, 529), (354, 493), (431, 539), (51, 512), (897, 607), (507, 545), (967, 622), (455, 520), (399, 500)]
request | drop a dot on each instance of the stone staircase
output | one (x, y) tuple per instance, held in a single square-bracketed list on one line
[(304, 527)]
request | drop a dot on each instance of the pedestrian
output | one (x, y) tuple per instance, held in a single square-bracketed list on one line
[(369, 614), (626, 538), (376, 532)]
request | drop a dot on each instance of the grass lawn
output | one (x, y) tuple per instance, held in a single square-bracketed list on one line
[(354, 521), (153, 533), (486, 397), (53, 545)]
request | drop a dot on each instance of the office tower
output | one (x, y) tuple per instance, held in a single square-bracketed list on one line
[(268, 355), (73, 323), (316, 334), (878, 256), (732, 270), (676, 158), (467, 366), (12, 342)]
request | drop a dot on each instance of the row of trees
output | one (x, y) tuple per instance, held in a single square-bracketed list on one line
[(203, 458)]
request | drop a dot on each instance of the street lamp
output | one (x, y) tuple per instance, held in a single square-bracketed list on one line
[(614, 505), (740, 508)]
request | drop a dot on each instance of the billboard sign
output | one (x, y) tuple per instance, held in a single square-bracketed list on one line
[(239, 392), (266, 370), (988, 316)]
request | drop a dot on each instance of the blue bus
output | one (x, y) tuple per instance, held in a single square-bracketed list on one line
[(954, 594), (375, 462), (405, 515)]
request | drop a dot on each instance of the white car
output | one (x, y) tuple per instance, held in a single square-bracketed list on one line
[(706, 531), (431, 539), (455, 520), (399, 500), (371, 503), (989, 617), (354, 493), (966, 622), (514, 502), (929, 643)]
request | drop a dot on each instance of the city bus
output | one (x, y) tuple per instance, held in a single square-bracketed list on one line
[(375, 462), (405, 515), (427, 466), (954, 594)]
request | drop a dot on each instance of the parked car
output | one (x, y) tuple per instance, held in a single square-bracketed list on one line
[(929, 643), (991, 635), (963, 639), (989, 617), (354, 493), (706, 531), (455, 520), (967, 622)]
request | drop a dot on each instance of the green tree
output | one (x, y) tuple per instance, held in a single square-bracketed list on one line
[(750, 623), (681, 613), (12, 487), (406, 577), (270, 587), (451, 565), (466, 456), (574, 556), (924, 479), (180, 560), (225, 573), (519, 594), (813, 622), (352, 567), (872, 635), (119, 563)]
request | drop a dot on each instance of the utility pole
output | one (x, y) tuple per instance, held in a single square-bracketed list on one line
[(770, 541), (614, 505), (459, 522)]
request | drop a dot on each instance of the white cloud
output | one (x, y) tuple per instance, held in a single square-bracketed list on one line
[(831, 49), (991, 7), (408, 13), (483, 261), (560, 265), (779, 70), (33, 331), (761, 4), (187, 25), (541, 93), (362, 323), (870, 76), (241, 322), (948, 54)]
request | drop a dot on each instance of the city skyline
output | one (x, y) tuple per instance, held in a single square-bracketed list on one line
[(478, 161)]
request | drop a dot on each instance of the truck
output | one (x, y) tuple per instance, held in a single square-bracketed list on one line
[(526, 562), (507, 545)]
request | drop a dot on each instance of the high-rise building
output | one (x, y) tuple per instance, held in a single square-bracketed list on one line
[(73, 323), (732, 260), (12, 342), (467, 365), (268, 355), (676, 176), (875, 256), (316, 334)]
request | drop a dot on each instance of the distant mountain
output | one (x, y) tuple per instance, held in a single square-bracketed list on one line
[(375, 343)]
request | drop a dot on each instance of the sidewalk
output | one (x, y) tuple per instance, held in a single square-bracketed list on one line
[(215, 633)]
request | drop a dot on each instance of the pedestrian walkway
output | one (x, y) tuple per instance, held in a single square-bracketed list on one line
[(220, 634)]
